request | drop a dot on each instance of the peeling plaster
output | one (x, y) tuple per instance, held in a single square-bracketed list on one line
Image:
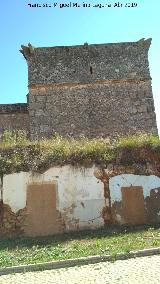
[(14, 190), (127, 180), (81, 201), (76, 186)]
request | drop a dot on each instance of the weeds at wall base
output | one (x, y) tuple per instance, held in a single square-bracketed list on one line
[(17, 153)]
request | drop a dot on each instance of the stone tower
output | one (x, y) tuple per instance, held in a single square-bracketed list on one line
[(92, 90)]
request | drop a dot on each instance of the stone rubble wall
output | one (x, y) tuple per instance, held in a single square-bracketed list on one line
[(14, 108), (88, 63), (97, 90), (14, 117), (100, 109)]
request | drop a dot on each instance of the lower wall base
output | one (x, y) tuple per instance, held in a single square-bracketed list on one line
[(12, 223), (67, 199)]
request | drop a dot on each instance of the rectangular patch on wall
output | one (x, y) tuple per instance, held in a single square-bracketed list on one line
[(42, 215), (133, 205)]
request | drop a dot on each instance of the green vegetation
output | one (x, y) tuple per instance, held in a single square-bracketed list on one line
[(138, 141), (72, 245), (17, 153)]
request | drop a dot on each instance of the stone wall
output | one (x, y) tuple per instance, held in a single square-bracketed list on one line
[(91, 90), (66, 198), (99, 109), (14, 117), (87, 63), (61, 195), (143, 200), (96, 90)]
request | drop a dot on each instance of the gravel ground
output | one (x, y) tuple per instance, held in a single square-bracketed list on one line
[(143, 270)]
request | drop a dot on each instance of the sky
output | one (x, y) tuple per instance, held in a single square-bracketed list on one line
[(55, 26)]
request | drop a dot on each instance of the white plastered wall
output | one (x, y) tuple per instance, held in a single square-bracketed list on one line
[(80, 194), (127, 180)]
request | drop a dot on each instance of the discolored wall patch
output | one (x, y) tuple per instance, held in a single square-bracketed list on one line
[(117, 214), (152, 205), (42, 215), (133, 205)]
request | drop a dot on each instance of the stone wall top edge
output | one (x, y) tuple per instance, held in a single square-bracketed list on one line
[(85, 45), (29, 50), (14, 108)]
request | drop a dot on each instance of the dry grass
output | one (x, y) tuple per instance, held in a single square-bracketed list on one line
[(17, 153)]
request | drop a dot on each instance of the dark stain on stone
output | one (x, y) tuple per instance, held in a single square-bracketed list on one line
[(82, 204), (106, 215), (106, 211), (152, 206)]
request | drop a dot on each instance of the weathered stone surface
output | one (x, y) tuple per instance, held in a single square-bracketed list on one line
[(93, 110), (14, 117), (14, 122), (68, 64), (98, 90), (11, 223)]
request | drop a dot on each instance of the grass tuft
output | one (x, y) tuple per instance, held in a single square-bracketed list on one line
[(17, 153)]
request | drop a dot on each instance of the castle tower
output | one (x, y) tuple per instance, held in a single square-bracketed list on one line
[(92, 90)]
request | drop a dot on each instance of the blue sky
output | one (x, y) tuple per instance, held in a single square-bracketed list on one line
[(21, 24)]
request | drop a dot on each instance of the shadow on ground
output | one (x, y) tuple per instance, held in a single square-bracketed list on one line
[(109, 231)]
